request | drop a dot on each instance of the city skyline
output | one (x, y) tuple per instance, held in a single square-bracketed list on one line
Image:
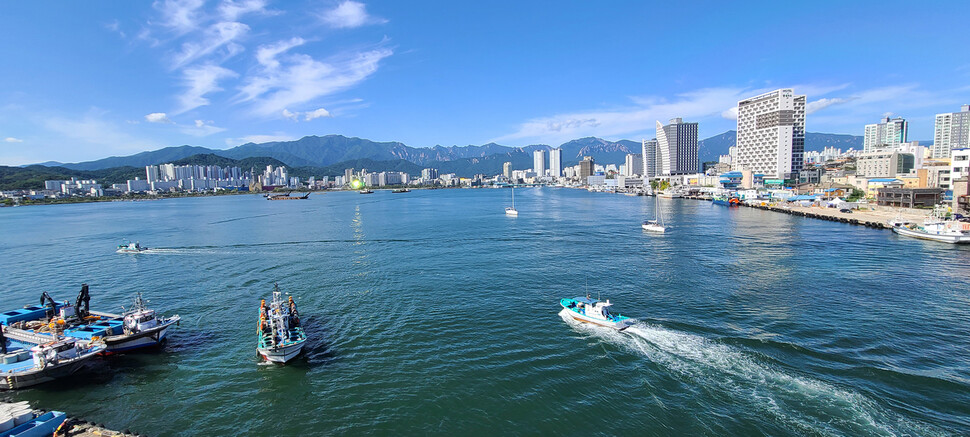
[(221, 73)]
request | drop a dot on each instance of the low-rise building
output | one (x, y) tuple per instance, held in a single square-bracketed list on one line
[(909, 197)]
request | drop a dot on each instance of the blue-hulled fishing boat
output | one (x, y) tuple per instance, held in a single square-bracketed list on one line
[(23, 364), (597, 312), (280, 336)]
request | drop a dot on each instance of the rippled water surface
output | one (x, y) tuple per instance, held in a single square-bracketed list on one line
[(431, 312)]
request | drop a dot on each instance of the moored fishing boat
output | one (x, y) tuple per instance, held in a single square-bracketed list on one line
[(288, 197), (129, 247), (935, 228), (726, 201), (136, 328), (280, 336), (24, 364), (597, 312)]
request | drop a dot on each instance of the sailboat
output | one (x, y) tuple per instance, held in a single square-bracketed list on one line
[(511, 209), (658, 224)]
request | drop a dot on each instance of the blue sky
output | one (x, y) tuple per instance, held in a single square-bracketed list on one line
[(87, 80)]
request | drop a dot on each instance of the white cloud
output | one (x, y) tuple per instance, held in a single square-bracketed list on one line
[(13, 140), (820, 104), (221, 34), (201, 80), (295, 116), (231, 10), (157, 117), (94, 130), (317, 114), (349, 14), (181, 16), (298, 79), (266, 55), (730, 113), (259, 139)]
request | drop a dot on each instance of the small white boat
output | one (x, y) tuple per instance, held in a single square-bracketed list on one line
[(129, 247), (280, 335), (510, 210), (141, 327), (655, 225), (597, 312)]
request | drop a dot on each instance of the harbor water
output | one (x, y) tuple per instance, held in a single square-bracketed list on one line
[(432, 312)]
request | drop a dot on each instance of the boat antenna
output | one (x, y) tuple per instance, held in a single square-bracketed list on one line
[(587, 286)]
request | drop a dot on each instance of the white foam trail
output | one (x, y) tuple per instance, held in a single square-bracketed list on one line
[(820, 407)]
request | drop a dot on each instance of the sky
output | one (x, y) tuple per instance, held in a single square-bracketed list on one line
[(87, 80)]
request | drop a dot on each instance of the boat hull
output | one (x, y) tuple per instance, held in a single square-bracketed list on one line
[(952, 239), (653, 228), (511, 212), (282, 354), (148, 338), (32, 377)]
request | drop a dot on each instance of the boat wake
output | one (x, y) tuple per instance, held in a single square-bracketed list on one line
[(796, 402)]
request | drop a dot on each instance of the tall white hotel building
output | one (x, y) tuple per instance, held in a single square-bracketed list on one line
[(539, 162), (771, 134), (555, 163)]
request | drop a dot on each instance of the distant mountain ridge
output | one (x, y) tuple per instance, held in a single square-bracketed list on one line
[(711, 148), (329, 150)]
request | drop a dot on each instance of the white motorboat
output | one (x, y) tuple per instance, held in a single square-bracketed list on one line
[(510, 210), (129, 247), (280, 335), (139, 327), (597, 312)]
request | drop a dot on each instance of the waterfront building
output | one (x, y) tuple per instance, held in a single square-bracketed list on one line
[(649, 153), (771, 134), (908, 197), (586, 168), (886, 134), (676, 148), (959, 163), (884, 164), (633, 164), (539, 162), (952, 132), (152, 174), (429, 174), (507, 169), (555, 162)]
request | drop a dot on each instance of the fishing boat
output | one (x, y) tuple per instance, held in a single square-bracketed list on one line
[(935, 228), (656, 225), (288, 197), (401, 190), (366, 191), (129, 247), (280, 337), (136, 328), (510, 210), (597, 312), (24, 363), (726, 201)]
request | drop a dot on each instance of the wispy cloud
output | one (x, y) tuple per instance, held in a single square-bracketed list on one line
[(231, 10), (13, 140), (181, 16), (157, 117), (349, 14), (220, 35), (200, 81), (94, 129), (201, 128), (293, 80), (820, 104)]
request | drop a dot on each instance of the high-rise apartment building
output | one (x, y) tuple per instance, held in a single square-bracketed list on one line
[(952, 132), (555, 162), (676, 148), (633, 164), (649, 159), (771, 134), (886, 134), (507, 169), (586, 167), (539, 162)]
